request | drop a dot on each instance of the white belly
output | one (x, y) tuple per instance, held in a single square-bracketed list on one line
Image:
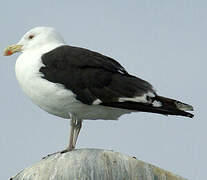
[(54, 98)]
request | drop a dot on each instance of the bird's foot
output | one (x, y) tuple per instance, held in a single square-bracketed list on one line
[(59, 152), (50, 155), (67, 150)]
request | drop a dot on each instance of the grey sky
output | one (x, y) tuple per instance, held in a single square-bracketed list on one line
[(163, 42)]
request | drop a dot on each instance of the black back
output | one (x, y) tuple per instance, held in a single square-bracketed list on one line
[(91, 75)]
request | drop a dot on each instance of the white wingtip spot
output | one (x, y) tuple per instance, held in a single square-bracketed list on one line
[(183, 106), (96, 102), (156, 104)]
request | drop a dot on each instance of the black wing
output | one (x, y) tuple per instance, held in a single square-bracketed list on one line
[(91, 75)]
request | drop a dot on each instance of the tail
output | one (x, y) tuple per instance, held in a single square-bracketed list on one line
[(174, 107), (160, 105)]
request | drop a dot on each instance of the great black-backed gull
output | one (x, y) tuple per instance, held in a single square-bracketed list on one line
[(76, 83)]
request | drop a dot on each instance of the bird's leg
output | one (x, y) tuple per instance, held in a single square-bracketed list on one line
[(75, 125), (77, 129), (72, 128)]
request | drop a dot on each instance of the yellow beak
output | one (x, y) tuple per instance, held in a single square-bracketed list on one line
[(12, 49)]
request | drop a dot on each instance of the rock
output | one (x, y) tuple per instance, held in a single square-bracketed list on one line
[(93, 164)]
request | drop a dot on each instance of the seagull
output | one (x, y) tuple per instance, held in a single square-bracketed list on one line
[(78, 84)]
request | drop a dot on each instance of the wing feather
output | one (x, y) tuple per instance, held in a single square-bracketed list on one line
[(91, 75)]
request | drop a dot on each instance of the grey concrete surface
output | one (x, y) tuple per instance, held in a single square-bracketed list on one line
[(93, 164)]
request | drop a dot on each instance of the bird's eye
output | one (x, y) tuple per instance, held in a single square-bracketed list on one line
[(31, 37)]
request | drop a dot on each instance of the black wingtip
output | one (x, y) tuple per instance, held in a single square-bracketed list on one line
[(190, 115)]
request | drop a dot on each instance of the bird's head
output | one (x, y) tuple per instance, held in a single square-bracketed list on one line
[(35, 38)]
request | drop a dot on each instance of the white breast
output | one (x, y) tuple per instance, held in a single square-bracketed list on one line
[(49, 96)]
